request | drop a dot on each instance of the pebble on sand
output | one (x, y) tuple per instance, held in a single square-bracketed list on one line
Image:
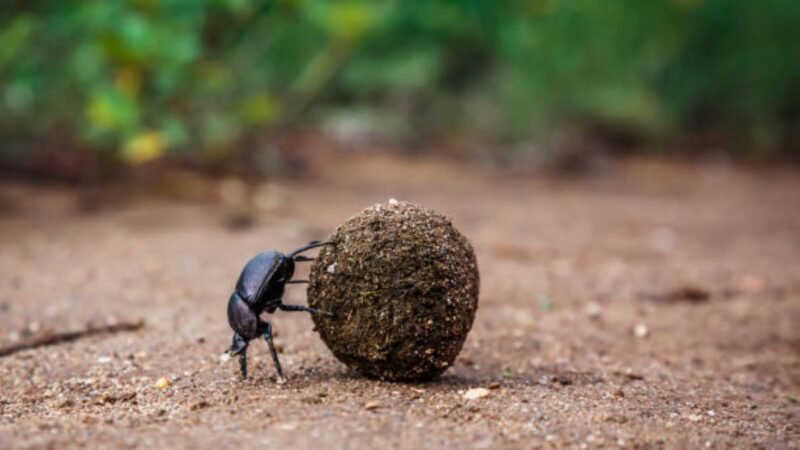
[(476, 393), (369, 406)]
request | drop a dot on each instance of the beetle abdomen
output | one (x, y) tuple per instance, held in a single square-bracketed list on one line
[(257, 271)]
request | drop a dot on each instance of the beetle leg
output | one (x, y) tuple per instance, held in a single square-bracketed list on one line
[(301, 258), (268, 337), (309, 246), (238, 347), (243, 364), (296, 281), (290, 308)]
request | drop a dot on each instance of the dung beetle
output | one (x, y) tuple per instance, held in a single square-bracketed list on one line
[(260, 289)]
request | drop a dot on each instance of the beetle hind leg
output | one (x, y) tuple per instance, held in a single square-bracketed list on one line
[(302, 308), (309, 246)]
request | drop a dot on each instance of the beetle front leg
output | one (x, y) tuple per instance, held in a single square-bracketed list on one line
[(243, 364), (268, 337), (238, 347)]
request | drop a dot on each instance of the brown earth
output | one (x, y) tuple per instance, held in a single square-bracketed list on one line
[(654, 306)]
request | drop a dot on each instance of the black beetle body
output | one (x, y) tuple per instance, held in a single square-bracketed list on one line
[(260, 289), (263, 279)]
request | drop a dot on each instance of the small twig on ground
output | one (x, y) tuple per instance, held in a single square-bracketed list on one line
[(689, 294), (50, 338)]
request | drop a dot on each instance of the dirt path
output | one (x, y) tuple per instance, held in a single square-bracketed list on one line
[(658, 307)]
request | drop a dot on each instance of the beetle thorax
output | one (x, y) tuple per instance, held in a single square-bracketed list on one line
[(242, 319)]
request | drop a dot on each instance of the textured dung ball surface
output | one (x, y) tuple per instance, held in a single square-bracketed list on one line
[(402, 284)]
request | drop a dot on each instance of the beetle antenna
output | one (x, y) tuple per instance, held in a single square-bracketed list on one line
[(309, 246), (301, 258)]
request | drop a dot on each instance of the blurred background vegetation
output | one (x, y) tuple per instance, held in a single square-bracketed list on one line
[(136, 80)]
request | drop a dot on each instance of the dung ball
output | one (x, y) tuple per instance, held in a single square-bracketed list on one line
[(402, 285)]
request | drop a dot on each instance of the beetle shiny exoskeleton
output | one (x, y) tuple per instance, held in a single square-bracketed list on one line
[(260, 289)]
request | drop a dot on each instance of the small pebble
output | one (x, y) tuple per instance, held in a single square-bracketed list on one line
[(641, 330), (372, 406), (476, 393), (494, 385), (199, 405), (593, 310), (163, 383)]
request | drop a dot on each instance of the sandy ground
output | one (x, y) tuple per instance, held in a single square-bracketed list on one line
[(656, 306)]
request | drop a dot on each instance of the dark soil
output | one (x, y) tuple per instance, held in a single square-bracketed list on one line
[(654, 306), (401, 285)]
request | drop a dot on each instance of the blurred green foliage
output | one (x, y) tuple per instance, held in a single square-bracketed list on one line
[(138, 78)]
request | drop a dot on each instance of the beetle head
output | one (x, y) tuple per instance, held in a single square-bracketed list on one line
[(238, 347)]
